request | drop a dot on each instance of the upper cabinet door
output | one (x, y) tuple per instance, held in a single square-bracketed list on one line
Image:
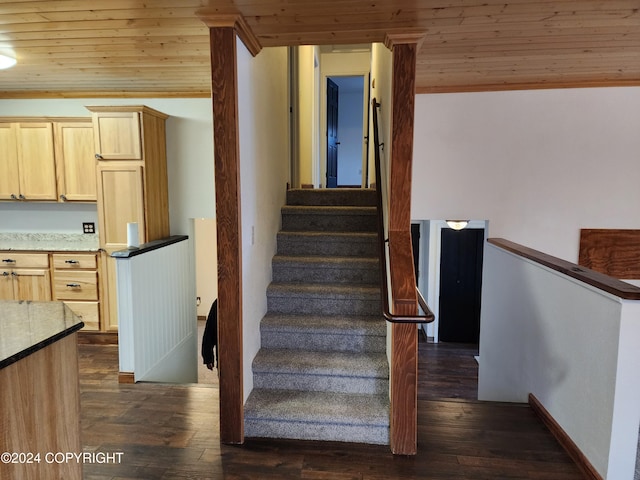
[(9, 179), (121, 201), (117, 135), (36, 161), (75, 163)]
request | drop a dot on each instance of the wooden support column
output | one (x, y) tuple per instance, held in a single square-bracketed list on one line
[(227, 179), (404, 337)]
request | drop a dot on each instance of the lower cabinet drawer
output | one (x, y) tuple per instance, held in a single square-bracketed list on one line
[(74, 285), (88, 312), (74, 261)]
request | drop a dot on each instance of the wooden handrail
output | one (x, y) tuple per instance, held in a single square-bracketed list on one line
[(601, 281), (428, 316)]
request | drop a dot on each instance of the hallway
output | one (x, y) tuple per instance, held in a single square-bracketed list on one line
[(170, 432)]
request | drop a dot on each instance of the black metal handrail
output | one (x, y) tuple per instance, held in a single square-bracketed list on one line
[(428, 317)]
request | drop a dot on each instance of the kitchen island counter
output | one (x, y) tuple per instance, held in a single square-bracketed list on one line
[(26, 327), (39, 390)]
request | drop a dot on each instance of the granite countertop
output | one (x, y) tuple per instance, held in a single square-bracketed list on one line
[(52, 242), (26, 327)]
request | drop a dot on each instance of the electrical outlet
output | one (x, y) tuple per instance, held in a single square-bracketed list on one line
[(88, 227)]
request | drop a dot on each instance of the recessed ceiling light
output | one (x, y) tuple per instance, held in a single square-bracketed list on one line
[(6, 61)]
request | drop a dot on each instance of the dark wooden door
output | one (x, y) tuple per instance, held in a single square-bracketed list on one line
[(460, 285), (332, 134), (415, 246)]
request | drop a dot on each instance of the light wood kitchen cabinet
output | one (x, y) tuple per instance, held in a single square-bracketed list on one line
[(131, 181), (31, 145), (24, 276), (9, 179), (76, 283), (117, 133), (120, 190), (132, 151), (75, 163)]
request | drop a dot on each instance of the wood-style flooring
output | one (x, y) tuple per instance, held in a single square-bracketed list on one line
[(171, 432)]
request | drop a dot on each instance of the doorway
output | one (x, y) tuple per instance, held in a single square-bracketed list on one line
[(460, 285), (345, 137)]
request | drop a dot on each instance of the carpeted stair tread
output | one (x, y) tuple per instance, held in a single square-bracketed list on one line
[(310, 407), (327, 243), (329, 262), (339, 333), (324, 299), (329, 219), (321, 269), (317, 407), (369, 365), (329, 210), (323, 416), (326, 324), (323, 291), (331, 196)]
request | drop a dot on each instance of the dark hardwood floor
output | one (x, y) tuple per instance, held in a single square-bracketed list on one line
[(171, 432)]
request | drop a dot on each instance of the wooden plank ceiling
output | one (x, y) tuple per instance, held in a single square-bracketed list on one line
[(85, 48)]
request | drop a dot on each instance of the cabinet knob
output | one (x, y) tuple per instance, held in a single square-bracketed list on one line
[(73, 262), (5, 274), (73, 285), (98, 156), (13, 196), (22, 197), (63, 197)]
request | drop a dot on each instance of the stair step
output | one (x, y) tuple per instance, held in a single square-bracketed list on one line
[(335, 244), (322, 416), (332, 196), (324, 333), (322, 299), (329, 219), (342, 372), (318, 269)]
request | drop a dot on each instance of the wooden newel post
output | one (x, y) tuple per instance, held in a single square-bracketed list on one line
[(404, 337)]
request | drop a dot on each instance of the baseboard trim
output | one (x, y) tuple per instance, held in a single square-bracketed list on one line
[(97, 338), (126, 377), (583, 464)]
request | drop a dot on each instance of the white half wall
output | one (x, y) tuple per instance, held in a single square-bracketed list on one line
[(264, 170), (538, 164), (576, 348)]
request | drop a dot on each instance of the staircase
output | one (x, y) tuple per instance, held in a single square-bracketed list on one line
[(322, 372)]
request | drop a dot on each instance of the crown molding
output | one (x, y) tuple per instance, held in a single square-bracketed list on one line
[(404, 38), (235, 21)]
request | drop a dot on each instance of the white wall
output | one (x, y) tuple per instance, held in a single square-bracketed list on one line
[(576, 348), (264, 165), (539, 164), (206, 262), (38, 217), (189, 161), (308, 96), (381, 74)]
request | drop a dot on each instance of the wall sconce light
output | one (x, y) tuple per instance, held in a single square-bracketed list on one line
[(6, 61), (457, 224)]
